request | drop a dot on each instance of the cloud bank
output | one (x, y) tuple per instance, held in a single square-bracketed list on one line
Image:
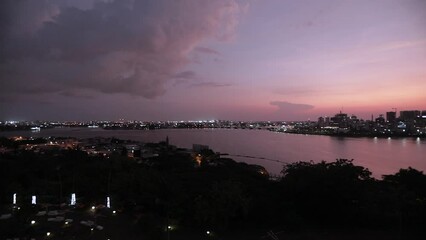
[(290, 110), (130, 47)]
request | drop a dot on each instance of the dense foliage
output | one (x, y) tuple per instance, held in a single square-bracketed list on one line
[(220, 194)]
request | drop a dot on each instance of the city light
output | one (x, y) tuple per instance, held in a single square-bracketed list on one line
[(33, 222), (48, 234), (73, 199), (108, 202), (14, 199), (34, 200)]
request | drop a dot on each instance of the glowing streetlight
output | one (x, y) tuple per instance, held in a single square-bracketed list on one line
[(93, 207), (33, 222), (108, 202), (208, 232), (73, 199), (48, 234)]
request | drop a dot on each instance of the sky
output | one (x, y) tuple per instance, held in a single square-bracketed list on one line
[(223, 59)]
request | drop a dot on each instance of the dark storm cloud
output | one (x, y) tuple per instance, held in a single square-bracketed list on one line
[(131, 47), (291, 108)]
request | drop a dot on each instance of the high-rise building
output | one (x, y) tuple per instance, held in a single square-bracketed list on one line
[(321, 122), (340, 119), (391, 117), (410, 115)]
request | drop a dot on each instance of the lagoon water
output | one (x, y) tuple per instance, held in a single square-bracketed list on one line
[(271, 149)]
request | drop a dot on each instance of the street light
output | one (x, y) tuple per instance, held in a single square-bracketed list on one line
[(73, 199), (169, 228)]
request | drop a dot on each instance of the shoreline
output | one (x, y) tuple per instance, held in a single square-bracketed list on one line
[(344, 135)]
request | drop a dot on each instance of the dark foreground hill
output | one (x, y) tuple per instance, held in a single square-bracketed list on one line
[(183, 195)]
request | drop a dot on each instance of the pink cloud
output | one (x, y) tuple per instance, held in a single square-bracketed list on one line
[(131, 47)]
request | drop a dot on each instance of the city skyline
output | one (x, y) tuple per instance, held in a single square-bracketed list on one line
[(189, 60)]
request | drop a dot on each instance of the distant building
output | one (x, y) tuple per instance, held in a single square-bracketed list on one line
[(327, 121), (133, 150), (380, 119), (422, 120), (340, 120), (321, 122), (391, 117), (409, 116)]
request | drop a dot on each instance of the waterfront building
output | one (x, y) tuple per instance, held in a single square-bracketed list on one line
[(422, 119), (380, 119), (340, 120), (321, 122), (391, 117), (409, 116), (327, 121)]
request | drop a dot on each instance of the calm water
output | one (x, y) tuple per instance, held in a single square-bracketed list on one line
[(381, 156)]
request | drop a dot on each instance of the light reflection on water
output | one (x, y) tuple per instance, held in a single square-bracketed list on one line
[(379, 155)]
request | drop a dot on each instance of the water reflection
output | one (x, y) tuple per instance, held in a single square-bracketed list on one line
[(381, 156), (403, 142)]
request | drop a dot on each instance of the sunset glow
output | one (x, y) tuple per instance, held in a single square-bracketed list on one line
[(236, 60)]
